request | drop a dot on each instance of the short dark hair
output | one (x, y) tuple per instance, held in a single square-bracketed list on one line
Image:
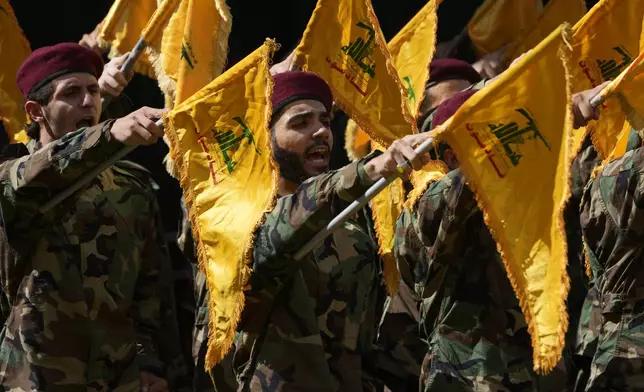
[(42, 96)]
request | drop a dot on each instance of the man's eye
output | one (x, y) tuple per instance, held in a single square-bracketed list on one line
[(326, 122), (70, 91), (299, 123)]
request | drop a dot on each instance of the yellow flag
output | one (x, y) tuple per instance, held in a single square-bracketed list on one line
[(122, 28), (194, 47), (628, 90), (605, 42), (496, 23), (355, 62), (412, 50), (554, 14), (14, 49), (220, 143), (514, 150)]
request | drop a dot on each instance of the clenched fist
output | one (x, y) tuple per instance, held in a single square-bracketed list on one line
[(400, 152), (138, 128), (113, 81)]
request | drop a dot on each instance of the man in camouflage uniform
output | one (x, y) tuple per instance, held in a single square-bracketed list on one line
[(587, 332), (611, 216), (308, 325), (476, 334), (85, 285), (400, 350)]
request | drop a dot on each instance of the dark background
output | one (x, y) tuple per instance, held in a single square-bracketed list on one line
[(50, 22)]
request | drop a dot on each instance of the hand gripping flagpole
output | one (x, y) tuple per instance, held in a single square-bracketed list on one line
[(89, 176), (152, 30), (355, 207), (127, 67)]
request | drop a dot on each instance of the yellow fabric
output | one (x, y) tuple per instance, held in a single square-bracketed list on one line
[(343, 44), (554, 14), (122, 28), (516, 158), (605, 42), (14, 49), (496, 23), (386, 208), (412, 50), (159, 21), (166, 56), (194, 47), (221, 145), (21, 137), (356, 141), (621, 144)]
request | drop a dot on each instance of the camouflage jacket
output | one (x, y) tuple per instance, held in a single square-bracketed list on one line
[(611, 220), (400, 350), (309, 324), (477, 338), (86, 286), (580, 172)]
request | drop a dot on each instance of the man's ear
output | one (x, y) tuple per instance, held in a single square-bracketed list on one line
[(35, 111)]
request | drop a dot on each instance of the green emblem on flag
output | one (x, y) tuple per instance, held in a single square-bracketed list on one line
[(411, 94), (511, 135), (229, 143), (610, 69), (361, 49), (188, 55)]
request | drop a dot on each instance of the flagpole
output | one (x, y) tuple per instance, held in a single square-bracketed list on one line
[(357, 205), (89, 176)]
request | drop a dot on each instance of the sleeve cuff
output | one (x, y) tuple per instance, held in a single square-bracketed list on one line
[(363, 178)]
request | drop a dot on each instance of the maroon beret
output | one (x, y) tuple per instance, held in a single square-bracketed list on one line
[(449, 107), (48, 63), (450, 69), (296, 85)]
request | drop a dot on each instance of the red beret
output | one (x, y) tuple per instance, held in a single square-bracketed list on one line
[(449, 107), (48, 63), (450, 69), (296, 85)]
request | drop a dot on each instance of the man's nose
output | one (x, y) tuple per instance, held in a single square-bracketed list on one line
[(88, 99), (323, 132)]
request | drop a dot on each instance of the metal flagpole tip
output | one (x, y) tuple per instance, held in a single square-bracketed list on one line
[(596, 100)]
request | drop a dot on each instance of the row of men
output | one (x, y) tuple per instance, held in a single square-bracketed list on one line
[(87, 286)]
